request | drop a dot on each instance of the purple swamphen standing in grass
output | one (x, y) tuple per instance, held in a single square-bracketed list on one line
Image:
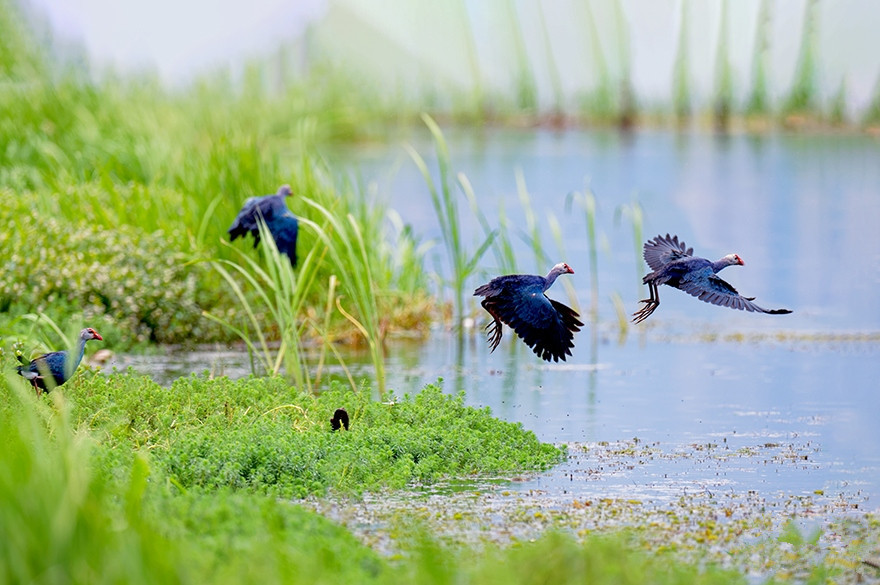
[(545, 325), (54, 369), (279, 220), (673, 263)]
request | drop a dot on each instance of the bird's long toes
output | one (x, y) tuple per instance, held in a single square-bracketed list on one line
[(644, 312)]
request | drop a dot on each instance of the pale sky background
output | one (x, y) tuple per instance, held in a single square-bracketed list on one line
[(404, 44)]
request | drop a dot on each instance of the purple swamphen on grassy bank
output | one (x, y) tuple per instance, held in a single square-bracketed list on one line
[(518, 300), (54, 369), (673, 263), (279, 220)]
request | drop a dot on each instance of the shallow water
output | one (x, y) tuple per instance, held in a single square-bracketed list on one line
[(775, 406)]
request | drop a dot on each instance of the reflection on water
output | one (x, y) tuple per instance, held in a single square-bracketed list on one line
[(803, 214)]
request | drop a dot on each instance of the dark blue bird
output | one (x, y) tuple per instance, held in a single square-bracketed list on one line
[(673, 263), (518, 300), (279, 220), (54, 369)]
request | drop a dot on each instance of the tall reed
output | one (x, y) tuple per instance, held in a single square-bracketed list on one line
[(473, 58), (600, 103), (556, 232), (278, 295), (837, 107), (275, 298), (723, 72), (525, 86), (633, 212), (501, 246), (533, 231), (871, 116), (348, 254), (681, 90), (461, 264), (802, 96), (587, 201), (759, 101), (552, 69), (626, 114)]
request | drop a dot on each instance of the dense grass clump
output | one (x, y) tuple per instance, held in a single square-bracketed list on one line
[(122, 280), (265, 436)]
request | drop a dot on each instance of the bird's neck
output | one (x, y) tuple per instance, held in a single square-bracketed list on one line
[(80, 352), (550, 279), (721, 264)]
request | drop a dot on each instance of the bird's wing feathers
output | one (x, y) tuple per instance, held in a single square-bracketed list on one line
[(251, 211), (662, 250), (717, 291), (546, 326), (271, 209)]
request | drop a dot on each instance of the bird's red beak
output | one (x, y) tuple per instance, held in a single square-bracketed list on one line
[(97, 336)]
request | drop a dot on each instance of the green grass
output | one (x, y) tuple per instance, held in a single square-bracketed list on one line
[(462, 264), (802, 98), (681, 89), (587, 201), (723, 101), (265, 436), (758, 101), (599, 104), (98, 484), (281, 294)]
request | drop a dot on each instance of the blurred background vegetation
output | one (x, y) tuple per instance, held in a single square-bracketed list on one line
[(108, 174)]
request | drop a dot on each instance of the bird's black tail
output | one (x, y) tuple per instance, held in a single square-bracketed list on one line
[(236, 232)]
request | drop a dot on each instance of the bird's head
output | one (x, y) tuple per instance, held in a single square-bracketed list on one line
[(89, 333), (563, 268), (734, 260), (285, 191)]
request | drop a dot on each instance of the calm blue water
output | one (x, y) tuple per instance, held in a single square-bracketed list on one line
[(804, 214)]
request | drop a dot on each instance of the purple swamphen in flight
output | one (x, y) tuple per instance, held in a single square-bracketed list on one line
[(54, 369), (673, 263), (279, 220), (518, 300)]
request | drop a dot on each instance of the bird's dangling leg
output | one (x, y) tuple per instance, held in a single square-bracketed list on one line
[(650, 304), (493, 328), (493, 334)]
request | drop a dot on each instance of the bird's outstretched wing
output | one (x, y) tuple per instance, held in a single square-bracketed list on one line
[(547, 326), (662, 250), (246, 220), (719, 292)]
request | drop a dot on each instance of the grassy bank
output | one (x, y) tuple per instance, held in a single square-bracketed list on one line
[(114, 479)]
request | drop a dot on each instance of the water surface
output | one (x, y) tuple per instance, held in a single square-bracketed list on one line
[(771, 405)]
